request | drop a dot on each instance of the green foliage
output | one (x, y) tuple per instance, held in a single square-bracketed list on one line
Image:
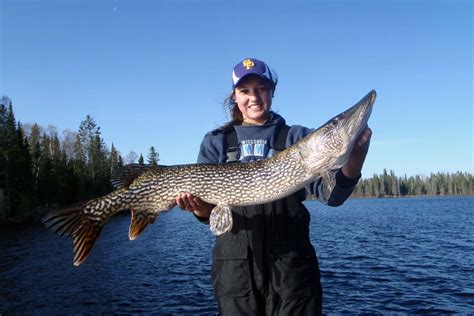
[(389, 185), (39, 170), (115, 159), (3, 133), (2, 206), (153, 156)]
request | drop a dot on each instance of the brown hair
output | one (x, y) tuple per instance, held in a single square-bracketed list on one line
[(234, 111)]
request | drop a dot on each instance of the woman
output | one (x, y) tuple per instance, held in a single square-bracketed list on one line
[(266, 263)]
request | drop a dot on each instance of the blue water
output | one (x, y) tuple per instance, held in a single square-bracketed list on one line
[(377, 256)]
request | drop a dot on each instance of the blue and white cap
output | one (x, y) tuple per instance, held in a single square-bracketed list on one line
[(252, 66)]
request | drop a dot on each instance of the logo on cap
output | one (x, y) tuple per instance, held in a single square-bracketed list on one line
[(248, 63)]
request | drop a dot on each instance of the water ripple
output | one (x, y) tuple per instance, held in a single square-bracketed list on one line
[(377, 257)]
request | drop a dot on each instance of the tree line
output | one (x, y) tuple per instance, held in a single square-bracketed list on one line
[(388, 184), (40, 170)]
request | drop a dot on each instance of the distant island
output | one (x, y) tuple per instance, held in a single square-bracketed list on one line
[(40, 171)]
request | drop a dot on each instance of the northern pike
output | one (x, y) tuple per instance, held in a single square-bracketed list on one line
[(149, 190)]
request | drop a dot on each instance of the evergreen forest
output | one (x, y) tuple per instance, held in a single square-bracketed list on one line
[(42, 170)]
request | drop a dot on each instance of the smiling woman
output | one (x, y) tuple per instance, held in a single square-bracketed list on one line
[(254, 99), (253, 86)]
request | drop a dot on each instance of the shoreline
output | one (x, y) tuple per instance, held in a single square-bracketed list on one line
[(34, 218), (312, 197)]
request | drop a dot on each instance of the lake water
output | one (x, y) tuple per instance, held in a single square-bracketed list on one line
[(377, 256)]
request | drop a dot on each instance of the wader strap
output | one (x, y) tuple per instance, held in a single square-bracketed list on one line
[(232, 146), (233, 153), (280, 143)]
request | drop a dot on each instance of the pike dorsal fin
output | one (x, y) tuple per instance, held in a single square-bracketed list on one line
[(125, 175)]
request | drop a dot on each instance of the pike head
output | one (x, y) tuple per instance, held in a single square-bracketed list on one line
[(328, 147)]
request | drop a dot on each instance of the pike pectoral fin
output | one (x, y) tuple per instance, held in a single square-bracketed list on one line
[(220, 220), (140, 219), (72, 222)]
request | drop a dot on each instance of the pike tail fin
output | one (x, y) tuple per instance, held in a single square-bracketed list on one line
[(139, 221), (72, 222)]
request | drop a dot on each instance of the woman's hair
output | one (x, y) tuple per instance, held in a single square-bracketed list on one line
[(231, 106)]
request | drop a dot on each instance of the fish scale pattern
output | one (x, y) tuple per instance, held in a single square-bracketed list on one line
[(230, 184)]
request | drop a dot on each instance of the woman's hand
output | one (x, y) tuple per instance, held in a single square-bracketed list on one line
[(353, 166), (191, 203)]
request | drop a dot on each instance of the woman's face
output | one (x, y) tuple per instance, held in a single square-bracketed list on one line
[(254, 98)]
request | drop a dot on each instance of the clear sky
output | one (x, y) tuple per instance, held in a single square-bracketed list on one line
[(155, 73)]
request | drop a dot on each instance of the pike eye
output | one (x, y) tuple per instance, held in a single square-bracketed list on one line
[(335, 122)]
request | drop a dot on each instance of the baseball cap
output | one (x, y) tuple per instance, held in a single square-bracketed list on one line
[(252, 66)]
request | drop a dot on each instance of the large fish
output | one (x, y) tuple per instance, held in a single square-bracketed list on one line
[(149, 190)]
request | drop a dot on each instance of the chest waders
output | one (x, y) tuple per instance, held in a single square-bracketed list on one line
[(266, 264)]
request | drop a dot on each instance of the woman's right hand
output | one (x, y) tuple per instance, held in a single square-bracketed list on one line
[(191, 203)]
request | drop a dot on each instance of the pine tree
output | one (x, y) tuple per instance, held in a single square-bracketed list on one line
[(35, 152), (141, 161), (375, 187), (3, 148), (88, 131), (11, 154), (16, 179), (120, 161), (24, 180), (395, 184), (114, 159), (97, 162), (404, 189), (153, 156)]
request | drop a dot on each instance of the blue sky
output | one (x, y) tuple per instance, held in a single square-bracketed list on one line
[(155, 73)]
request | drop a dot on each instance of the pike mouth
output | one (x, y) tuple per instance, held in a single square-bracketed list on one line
[(373, 96)]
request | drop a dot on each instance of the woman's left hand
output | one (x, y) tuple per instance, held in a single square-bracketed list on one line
[(353, 166)]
